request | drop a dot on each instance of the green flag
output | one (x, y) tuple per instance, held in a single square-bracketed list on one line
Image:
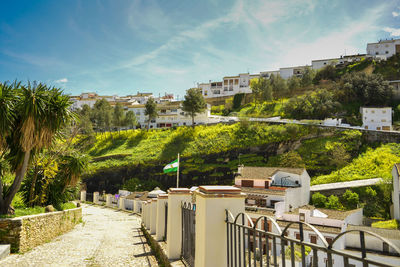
[(172, 167)]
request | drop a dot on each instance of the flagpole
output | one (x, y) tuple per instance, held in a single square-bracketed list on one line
[(177, 174)]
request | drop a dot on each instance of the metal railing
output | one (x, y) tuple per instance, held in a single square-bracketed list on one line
[(188, 233), (250, 245)]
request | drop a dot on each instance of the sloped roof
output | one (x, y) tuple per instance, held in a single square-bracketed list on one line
[(332, 214), (265, 172)]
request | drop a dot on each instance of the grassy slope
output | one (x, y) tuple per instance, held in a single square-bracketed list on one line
[(138, 146), (371, 164)]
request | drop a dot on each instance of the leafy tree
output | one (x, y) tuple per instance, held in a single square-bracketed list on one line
[(293, 83), (318, 200), (194, 103), (102, 114), (326, 73), (370, 89), (307, 77), (350, 199), (31, 116), (278, 84), (333, 203), (237, 100), (150, 111), (132, 185), (130, 119), (315, 105), (261, 89), (118, 115), (291, 159), (339, 156)]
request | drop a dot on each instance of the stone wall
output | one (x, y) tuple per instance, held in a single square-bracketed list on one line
[(27, 232)]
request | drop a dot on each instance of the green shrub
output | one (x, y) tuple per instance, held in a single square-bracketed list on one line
[(333, 203), (318, 200), (350, 199), (390, 224)]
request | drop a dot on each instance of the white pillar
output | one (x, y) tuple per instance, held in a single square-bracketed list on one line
[(211, 239), (147, 216), (108, 200), (96, 198), (160, 227), (134, 206), (174, 224), (121, 204), (83, 195), (153, 216)]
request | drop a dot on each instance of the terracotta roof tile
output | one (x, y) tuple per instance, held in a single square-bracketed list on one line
[(266, 172)]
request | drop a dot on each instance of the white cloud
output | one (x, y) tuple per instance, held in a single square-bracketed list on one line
[(392, 31), (63, 80), (395, 14)]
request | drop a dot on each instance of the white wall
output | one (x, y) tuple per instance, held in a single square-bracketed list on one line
[(376, 118), (396, 194), (386, 48)]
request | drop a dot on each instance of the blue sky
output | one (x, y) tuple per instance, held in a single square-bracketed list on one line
[(121, 47)]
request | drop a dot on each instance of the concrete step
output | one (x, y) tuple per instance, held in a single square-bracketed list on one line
[(4, 251)]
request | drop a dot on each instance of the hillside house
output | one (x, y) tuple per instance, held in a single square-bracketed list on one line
[(280, 189), (377, 118), (384, 48)]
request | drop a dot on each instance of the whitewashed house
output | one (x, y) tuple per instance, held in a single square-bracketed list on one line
[(288, 72), (281, 189), (321, 63), (377, 118), (384, 48), (170, 114)]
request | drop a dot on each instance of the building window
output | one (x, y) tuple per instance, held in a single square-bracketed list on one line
[(383, 120), (387, 52), (313, 239), (376, 53), (329, 240), (372, 111), (302, 217), (297, 236), (383, 111)]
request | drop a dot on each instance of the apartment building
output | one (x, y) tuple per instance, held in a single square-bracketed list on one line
[(377, 118), (286, 73), (343, 60), (384, 48), (170, 114)]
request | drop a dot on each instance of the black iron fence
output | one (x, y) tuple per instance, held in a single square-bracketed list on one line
[(188, 233), (262, 242), (165, 221)]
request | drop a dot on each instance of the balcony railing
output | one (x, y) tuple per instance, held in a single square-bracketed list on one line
[(248, 244)]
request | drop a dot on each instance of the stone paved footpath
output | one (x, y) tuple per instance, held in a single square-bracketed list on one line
[(106, 237)]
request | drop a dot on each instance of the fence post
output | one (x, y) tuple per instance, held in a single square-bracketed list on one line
[(153, 216), (108, 200), (96, 198), (83, 195), (211, 239), (121, 203), (174, 223), (160, 225)]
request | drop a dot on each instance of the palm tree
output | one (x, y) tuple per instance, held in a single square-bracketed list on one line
[(36, 114)]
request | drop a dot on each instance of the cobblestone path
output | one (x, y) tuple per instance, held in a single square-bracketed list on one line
[(105, 238)]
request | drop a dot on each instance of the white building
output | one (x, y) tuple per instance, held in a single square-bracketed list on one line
[(286, 73), (396, 191), (321, 63), (281, 189), (229, 86), (384, 48), (171, 114), (377, 118)]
